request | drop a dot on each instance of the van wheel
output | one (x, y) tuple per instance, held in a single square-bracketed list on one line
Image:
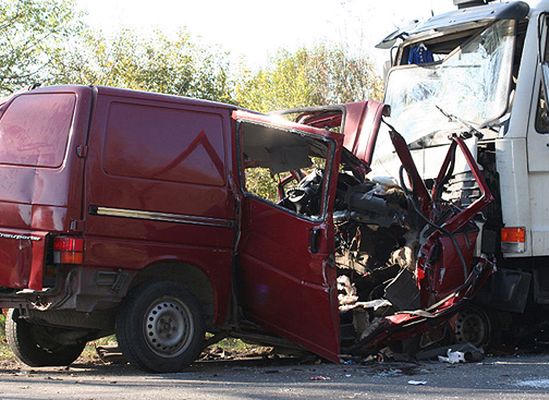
[(160, 327), (37, 345)]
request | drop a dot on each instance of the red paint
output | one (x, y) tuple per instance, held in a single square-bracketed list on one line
[(289, 289), (444, 285), (142, 179), (359, 123)]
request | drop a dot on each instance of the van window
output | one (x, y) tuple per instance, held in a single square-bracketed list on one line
[(34, 129), (271, 156), (164, 144)]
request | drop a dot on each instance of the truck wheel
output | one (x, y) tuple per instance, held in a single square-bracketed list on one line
[(37, 345), (473, 326), (160, 327)]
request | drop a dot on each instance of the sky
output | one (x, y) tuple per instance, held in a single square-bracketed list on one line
[(252, 31)]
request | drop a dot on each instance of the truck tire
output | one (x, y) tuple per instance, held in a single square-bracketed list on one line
[(160, 327), (474, 326), (36, 345)]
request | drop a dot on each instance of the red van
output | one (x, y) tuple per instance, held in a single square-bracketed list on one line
[(161, 218)]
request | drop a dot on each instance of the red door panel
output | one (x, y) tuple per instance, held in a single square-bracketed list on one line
[(286, 277), (286, 287)]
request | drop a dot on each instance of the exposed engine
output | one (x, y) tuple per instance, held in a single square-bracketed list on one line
[(376, 245)]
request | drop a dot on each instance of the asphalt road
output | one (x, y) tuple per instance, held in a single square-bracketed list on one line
[(524, 377)]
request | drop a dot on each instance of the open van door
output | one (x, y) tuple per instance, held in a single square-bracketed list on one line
[(286, 271)]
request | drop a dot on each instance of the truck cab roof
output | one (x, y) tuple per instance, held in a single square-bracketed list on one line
[(470, 16)]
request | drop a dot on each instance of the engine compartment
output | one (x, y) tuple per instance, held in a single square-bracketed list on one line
[(376, 235), (405, 256)]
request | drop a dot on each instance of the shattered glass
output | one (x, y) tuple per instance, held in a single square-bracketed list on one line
[(472, 82)]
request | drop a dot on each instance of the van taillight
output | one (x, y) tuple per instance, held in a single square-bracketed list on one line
[(68, 250)]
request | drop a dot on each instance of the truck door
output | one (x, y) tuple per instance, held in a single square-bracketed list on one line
[(287, 277), (537, 158)]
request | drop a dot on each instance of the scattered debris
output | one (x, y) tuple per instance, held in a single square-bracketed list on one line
[(453, 357), (320, 378), (110, 354), (217, 353), (470, 353), (417, 383), (391, 372)]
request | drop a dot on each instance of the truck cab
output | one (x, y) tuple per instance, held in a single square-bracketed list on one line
[(478, 72)]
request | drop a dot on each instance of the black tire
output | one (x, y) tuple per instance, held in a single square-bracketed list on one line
[(37, 345), (474, 326), (160, 327)]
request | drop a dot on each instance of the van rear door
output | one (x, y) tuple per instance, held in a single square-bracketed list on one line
[(40, 176)]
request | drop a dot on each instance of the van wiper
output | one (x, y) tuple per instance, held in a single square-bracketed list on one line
[(471, 130)]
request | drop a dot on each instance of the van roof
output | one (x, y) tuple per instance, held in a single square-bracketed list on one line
[(136, 94)]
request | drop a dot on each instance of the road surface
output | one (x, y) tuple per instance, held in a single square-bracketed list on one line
[(524, 377)]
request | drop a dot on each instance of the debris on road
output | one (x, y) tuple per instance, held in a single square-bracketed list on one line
[(320, 378), (417, 383), (453, 357)]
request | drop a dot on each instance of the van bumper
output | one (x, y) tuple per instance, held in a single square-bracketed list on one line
[(77, 288)]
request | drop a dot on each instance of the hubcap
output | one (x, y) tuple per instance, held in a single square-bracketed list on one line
[(168, 327)]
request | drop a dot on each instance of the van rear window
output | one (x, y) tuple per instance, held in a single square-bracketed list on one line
[(34, 129)]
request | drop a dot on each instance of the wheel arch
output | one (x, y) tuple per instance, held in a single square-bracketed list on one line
[(191, 276)]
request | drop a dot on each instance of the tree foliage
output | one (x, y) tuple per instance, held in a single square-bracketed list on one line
[(46, 41), (306, 77), (31, 32), (173, 65)]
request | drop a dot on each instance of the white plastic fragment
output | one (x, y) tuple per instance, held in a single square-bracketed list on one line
[(453, 357), (417, 383)]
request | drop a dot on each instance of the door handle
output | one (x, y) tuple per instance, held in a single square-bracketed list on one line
[(313, 243)]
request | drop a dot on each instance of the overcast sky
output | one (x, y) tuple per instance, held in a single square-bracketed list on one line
[(254, 29)]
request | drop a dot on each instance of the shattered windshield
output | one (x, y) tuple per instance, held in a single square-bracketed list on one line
[(473, 83)]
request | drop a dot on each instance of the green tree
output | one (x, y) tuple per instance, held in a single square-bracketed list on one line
[(31, 32), (307, 77), (173, 65)]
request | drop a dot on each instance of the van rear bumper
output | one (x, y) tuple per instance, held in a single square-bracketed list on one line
[(22, 258), (77, 288)]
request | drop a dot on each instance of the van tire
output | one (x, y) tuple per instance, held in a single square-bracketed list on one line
[(36, 345), (160, 327)]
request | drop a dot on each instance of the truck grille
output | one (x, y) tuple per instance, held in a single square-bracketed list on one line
[(461, 189)]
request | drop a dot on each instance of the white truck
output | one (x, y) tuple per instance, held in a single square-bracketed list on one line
[(479, 71)]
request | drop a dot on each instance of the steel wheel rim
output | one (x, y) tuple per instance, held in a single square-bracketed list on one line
[(472, 328), (168, 327)]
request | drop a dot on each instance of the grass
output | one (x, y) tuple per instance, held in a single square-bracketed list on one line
[(5, 352), (233, 344), (2, 327)]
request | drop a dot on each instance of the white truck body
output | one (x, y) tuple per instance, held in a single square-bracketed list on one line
[(512, 138)]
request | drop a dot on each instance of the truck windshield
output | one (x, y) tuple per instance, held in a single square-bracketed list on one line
[(472, 82)]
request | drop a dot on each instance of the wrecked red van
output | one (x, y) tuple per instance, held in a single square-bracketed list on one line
[(161, 218)]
